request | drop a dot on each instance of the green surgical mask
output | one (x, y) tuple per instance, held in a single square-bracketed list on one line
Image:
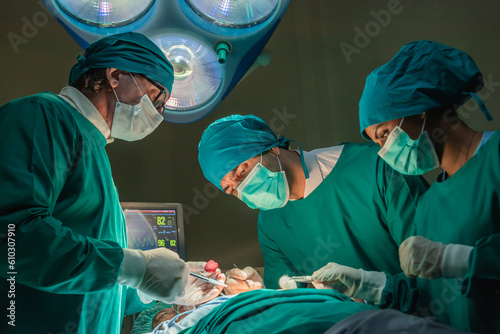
[(263, 189), (408, 156)]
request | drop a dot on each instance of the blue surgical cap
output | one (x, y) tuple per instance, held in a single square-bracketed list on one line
[(130, 51), (423, 76), (230, 141)]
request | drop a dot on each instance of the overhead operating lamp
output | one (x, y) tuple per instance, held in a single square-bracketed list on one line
[(211, 44)]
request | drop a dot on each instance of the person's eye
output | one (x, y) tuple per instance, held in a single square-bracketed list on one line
[(385, 134)]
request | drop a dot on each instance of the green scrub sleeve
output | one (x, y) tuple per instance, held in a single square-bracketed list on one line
[(400, 194), (400, 293), (38, 155), (483, 276), (134, 304), (276, 264)]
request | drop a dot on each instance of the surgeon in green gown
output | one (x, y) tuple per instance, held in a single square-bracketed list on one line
[(65, 264), (341, 203), (409, 107)]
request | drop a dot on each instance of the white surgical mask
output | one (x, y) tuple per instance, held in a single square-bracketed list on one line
[(134, 122)]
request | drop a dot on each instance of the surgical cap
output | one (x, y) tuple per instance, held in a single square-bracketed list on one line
[(423, 76), (129, 51), (230, 141)]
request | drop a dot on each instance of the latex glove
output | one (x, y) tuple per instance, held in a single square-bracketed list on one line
[(421, 257), (198, 291), (238, 281), (286, 283), (340, 278), (429, 259), (165, 276)]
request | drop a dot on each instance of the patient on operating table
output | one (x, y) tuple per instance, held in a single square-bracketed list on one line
[(261, 310), (237, 281)]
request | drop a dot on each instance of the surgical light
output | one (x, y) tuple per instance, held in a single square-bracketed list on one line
[(197, 72), (234, 13), (110, 13), (212, 44)]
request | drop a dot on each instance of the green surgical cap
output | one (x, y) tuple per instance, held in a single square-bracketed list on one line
[(423, 76), (130, 51), (229, 141)]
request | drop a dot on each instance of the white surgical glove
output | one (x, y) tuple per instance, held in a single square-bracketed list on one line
[(340, 278), (238, 281), (159, 273), (357, 283), (428, 259), (198, 291)]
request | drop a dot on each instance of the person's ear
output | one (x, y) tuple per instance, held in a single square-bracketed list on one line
[(113, 76), (275, 151)]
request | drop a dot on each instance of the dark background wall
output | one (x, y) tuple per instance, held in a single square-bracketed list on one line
[(309, 92)]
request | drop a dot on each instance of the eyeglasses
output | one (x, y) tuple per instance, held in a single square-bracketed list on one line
[(159, 101)]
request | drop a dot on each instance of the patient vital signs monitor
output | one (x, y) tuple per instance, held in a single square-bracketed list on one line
[(153, 225)]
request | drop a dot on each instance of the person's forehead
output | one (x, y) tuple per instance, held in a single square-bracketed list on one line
[(381, 124), (372, 128)]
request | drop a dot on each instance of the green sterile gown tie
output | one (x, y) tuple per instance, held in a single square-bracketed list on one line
[(356, 217), (58, 192), (464, 209)]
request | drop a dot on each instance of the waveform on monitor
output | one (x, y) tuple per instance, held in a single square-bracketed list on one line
[(142, 242)]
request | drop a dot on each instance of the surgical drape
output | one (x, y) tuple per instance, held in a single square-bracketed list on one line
[(286, 311)]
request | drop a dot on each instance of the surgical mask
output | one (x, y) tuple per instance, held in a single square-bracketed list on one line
[(408, 156), (134, 122), (263, 189)]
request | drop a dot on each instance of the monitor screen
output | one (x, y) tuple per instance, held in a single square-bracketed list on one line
[(153, 225)]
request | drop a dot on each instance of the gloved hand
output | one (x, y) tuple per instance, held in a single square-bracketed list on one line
[(340, 278), (421, 257), (165, 275), (286, 283), (429, 259), (238, 281), (198, 291)]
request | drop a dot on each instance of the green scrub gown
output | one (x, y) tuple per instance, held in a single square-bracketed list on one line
[(60, 212), (357, 217), (286, 311), (464, 209)]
